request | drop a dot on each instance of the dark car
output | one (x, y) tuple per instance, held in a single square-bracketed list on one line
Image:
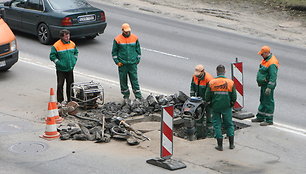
[(45, 18)]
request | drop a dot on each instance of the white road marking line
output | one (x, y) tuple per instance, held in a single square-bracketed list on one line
[(287, 128), (167, 54), (280, 126)]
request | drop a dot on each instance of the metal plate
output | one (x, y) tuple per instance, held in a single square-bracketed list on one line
[(15, 126), (28, 147), (86, 18)]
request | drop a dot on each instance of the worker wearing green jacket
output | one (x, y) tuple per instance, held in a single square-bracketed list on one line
[(266, 79), (64, 54), (126, 54), (221, 94), (199, 83)]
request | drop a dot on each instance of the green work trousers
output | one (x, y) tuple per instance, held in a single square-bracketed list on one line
[(220, 118), (266, 106), (125, 71)]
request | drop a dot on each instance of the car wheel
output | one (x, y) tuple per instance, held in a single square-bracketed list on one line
[(43, 34), (90, 37)]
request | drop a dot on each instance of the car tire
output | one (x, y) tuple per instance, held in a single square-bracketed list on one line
[(43, 34), (91, 37)]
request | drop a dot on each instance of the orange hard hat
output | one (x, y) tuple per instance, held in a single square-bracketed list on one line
[(264, 49), (126, 27)]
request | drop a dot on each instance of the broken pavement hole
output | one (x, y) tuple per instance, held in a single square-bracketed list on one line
[(181, 131)]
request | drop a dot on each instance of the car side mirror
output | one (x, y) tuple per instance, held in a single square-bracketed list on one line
[(7, 3)]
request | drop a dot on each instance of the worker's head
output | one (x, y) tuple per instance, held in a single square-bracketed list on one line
[(220, 70), (264, 51), (199, 71), (126, 30), (65, 35)]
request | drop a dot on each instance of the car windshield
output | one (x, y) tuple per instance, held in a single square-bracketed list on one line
[(68, 4)]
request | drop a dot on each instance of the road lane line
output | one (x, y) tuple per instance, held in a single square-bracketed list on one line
[(286, 128), (280, 126), (167, 54), (79, 73)]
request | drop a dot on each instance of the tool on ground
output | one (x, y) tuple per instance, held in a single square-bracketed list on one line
[(87, 94), (131, 129), (70, 108)]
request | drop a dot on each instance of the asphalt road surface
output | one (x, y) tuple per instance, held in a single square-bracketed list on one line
[(171, 49)]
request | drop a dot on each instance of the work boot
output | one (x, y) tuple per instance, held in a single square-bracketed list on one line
[(126, 101), (220, 144), (231, 142), (256, 120), (266, 124)]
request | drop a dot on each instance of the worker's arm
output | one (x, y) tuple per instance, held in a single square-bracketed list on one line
[(233, 96), (115, 52), (76, 53), (272, 70), (138, 50), (53, 55), (208, 94), (192, 88)]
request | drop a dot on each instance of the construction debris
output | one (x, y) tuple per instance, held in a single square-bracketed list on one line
[(108, 121)]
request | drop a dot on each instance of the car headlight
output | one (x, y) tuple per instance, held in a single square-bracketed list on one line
[(13, 45)]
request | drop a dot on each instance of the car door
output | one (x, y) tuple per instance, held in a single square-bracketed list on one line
[(12, 13), (31, 14)]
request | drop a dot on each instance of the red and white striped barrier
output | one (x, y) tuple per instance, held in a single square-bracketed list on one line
[(167, 132), (237, 77), (166, 142)]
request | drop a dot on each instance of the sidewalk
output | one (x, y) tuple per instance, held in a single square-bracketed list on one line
[(258, 149)]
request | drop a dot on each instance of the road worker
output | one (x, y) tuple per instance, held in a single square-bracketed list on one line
[(126, 54), (266, 80), (221, 94), (198, 87), (64, 54)]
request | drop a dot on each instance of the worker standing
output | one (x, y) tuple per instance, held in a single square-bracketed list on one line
[(126, 54), (198, 87), (221, 94), (64, 54), (266, 80)]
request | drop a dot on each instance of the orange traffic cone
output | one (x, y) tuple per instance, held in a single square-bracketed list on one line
[(53, 101), (51, 131)]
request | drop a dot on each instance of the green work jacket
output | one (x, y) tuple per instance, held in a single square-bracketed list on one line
[(126, 49), (221, 93), (64, 55), (267, 72)]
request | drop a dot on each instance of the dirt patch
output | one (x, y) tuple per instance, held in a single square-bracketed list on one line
[(270, 20)]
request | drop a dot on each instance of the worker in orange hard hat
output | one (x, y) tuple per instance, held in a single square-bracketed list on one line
[(126, 55), (266, 79)]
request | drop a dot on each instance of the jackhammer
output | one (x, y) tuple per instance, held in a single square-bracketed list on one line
[(193, 114)]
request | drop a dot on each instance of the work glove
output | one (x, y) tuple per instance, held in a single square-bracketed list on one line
[(268, 91), (119, 64)]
